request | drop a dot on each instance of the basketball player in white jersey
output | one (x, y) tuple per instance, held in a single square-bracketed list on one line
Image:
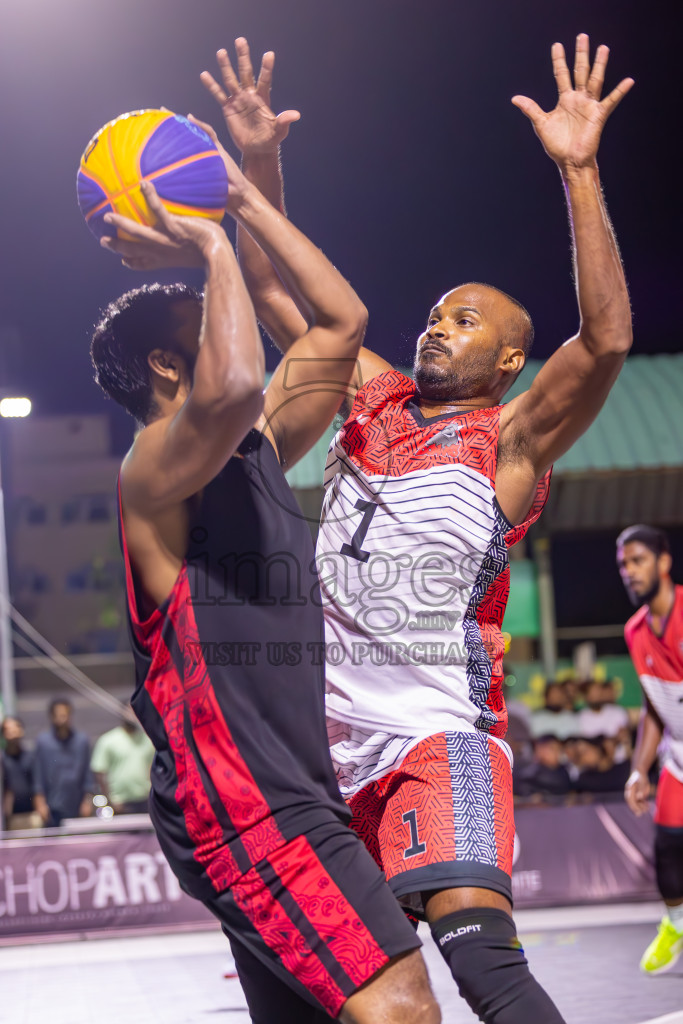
[(428, 483)]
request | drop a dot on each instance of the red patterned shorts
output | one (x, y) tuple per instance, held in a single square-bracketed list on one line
[(312, 921), (443, 819)]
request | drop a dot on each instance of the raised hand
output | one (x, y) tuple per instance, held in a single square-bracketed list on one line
[(253, 126), (173, 241), (570, 133)]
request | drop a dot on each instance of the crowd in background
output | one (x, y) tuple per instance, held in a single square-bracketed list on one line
[(61, 777), (577, 747)]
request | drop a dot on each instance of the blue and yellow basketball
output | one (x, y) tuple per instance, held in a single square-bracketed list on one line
[(150, 145)]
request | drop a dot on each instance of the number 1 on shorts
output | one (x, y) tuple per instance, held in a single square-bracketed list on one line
[(410, 818)]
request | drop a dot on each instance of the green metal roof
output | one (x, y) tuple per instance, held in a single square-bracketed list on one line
[(639, 428)]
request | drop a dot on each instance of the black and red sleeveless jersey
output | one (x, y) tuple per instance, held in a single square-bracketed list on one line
[(230, 681)]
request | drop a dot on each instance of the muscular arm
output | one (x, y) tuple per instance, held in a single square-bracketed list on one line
[(275, 308), (310, 382), (571, 388)]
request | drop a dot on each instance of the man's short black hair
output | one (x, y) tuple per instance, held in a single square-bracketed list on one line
[(11, 718), (130, 328), (55, 703), (654, 539)]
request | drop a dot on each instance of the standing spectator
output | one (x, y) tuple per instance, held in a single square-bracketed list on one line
[(17, 775), (556, 718), (121, 761), (64, 785)]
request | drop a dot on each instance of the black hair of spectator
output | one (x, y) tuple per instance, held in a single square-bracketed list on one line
[(654, 539), (553, 684), (12, 718), (55, 703)]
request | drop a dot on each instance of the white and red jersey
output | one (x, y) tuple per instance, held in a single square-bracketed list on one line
[(658, 660), (413, 566)]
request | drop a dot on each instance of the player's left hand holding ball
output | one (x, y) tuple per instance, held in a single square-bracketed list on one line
[(174, 241)]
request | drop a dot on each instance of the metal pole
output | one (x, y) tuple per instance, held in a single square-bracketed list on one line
[(546, 600), (7, 688)]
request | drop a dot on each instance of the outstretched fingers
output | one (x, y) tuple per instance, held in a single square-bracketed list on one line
[(244, 68), (612, 101), (597, 75), (560, 69), (230, 79), (211, 85), (582, 64), (530, 108), (265, 78)]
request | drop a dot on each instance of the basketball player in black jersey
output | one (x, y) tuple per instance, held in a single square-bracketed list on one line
[(474, 345), (224, 611)]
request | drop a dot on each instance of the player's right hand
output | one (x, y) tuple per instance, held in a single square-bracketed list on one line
[(254, 128), (637, 794), (174, 241)]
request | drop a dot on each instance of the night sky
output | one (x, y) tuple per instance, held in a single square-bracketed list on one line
[(410, 167)]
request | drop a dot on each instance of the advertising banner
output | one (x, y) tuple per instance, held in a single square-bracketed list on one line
[(592, 853), (76, 884), (121, 881)]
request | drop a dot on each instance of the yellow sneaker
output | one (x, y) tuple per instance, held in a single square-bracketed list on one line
[(664, 950)]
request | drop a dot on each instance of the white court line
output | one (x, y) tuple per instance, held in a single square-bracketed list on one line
[(151, 947), (113, 950), (603, 915), (668, 1018)]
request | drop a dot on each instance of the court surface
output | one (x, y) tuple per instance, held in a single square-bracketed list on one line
[(587, 958)]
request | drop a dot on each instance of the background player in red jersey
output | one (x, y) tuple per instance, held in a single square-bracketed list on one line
[(655, 640), (220, 581)]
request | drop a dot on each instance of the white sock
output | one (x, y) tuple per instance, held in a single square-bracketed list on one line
[(676, 916)]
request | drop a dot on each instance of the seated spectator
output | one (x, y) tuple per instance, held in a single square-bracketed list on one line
[(572, 692), (597, 771), (555, 718), (121, 761), (17, 775), (572, 758), (603, 717), (64, 785), (518, 735), (546, 775)]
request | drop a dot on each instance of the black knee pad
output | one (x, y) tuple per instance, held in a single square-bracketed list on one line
[(669, 862), (487, 961)]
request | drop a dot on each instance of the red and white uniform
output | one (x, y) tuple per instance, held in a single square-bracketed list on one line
[(412, 558), (658, 660)]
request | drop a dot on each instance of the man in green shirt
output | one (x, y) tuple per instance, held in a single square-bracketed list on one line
[(121, 761)]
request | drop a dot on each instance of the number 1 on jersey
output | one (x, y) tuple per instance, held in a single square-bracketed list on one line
[(355, 548)]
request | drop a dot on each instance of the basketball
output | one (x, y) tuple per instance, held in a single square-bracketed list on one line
[(150, 145)]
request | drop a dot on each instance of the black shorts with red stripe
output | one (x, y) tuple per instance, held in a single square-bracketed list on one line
[(309, 925), (230, 688)]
